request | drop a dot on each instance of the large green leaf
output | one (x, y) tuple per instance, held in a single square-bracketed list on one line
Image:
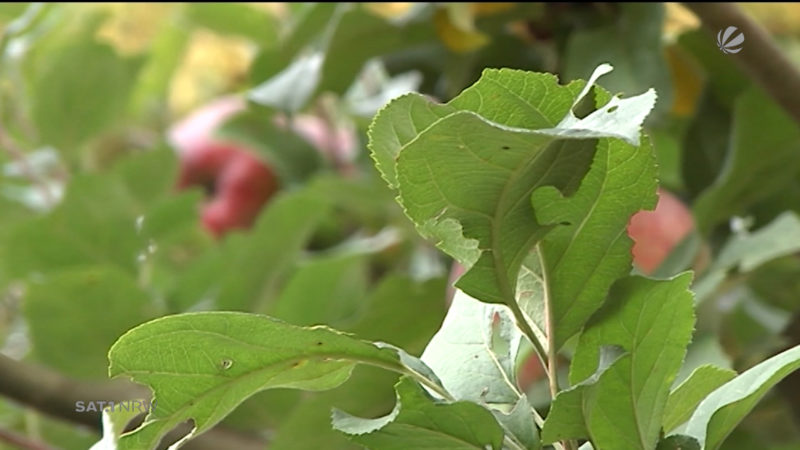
[(764, 156), (399, 310), (591, 250), (202, 365), (83, 308), (81, 89), (622, 406), (502, 134), (418, 421), (685, 398), (720, 412)]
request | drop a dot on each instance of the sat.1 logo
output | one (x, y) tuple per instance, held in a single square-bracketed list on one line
[(727, 42)]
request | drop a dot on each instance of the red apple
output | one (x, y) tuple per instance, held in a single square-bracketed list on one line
[(655, 233), (238, 183)]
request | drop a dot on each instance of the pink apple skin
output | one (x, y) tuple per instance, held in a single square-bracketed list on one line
[(240, 184), (655, 233)]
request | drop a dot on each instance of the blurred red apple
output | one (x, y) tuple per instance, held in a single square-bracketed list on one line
[(238, 183), (655, 233)]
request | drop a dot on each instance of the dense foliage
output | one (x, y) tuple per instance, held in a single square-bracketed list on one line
[(277, 268)]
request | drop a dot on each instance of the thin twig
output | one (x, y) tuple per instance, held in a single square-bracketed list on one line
[(552, 353), (552, 350), (759, 57)]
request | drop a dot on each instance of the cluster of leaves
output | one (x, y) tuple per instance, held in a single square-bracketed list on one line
[(550, 192), (526, 182)]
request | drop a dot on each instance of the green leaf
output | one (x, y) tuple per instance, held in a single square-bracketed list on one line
[(95, 224), (568, 414), (86, 309), (725, 79), (79, 91), (402, 312), (763, 158), (703, 350), (165, 56), (720, 412), (583, 257), (705, 144), (685, 398), (324, 291), (519, 422), (262, 257), (632, 44), (369, 392), (202, 365), (420, 422), (678, 442), (237, 19), (506, 147), (397, 124), (622, 406), (293, 87), (481, 340), (361, 36), (746, 251)]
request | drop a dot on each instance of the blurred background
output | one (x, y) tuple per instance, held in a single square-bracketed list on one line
[(163, 158)]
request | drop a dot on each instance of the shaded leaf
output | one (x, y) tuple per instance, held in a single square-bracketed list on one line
[(678, 442), (720, 412), (86, 309), (293, 87), (236, 18), (746, 251), (418, 421), (764, 156), (520, 424), (685, 398), (632, 44), (323, 291), (622, 406), (262, 257), (79, 91)]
